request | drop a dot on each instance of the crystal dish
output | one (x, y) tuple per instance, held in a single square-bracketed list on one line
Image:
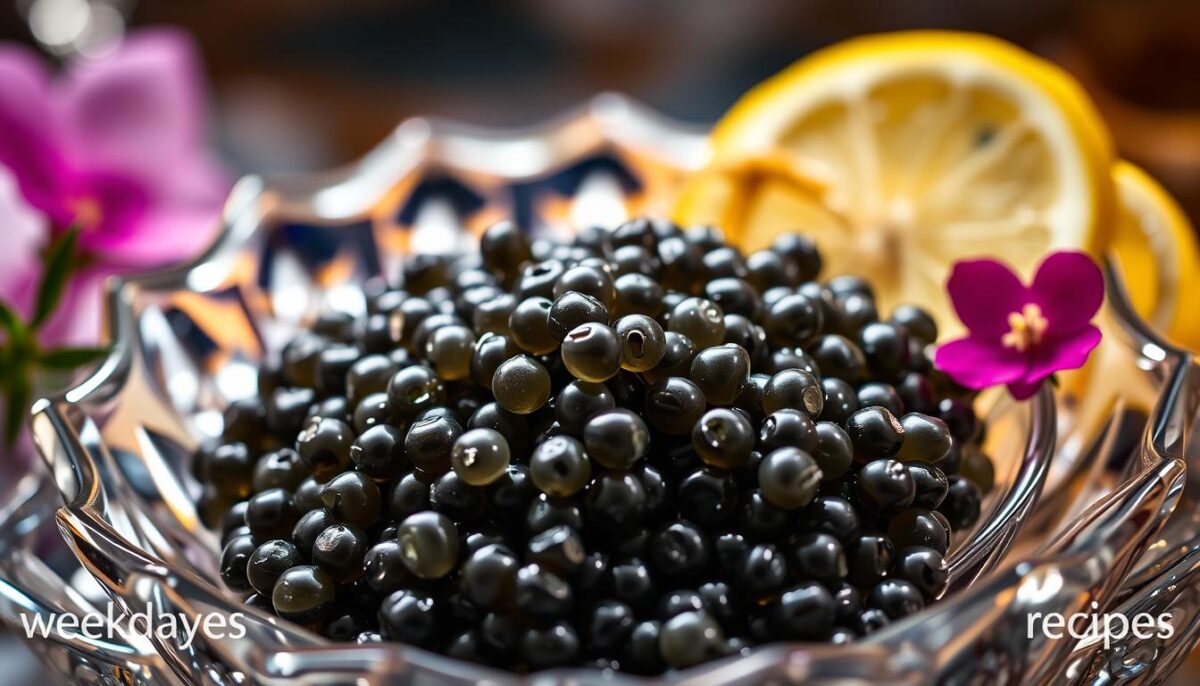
[(1090, 512)]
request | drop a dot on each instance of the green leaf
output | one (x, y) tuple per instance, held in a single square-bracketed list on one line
[(17, 407), (70, 358), (11, 322), (58, 271)]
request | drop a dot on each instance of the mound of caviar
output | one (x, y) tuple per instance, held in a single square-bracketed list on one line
[(641, 450)]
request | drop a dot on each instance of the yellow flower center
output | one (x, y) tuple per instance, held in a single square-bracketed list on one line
[(1025, 328), (88, 212)]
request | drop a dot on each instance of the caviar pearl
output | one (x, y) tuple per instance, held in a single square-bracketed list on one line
[(643, 342), (720, 372), (304, 594), (480, 456), (789, 478), (429, 542), (560, 467), (592, 352), (700, 319), (723, 438)]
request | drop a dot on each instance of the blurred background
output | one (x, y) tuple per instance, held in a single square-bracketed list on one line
[(307, 84), (300, 85)]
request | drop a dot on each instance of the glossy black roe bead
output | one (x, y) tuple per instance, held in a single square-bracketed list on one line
[(743, 332), (234, 518), (573, 309), (333, 407), (720, 372), (271, 514), (279, 469), (590, 281), (492, 315), (245, 421), (789, 478), (916, 321), (767, 269), (641, 654), (546, 512), (538, 279), (722, 262), (578, 402), (674, 405), (542, 593), (615, 501), (790, 358), (383, 569), (680, 264), (962, 503), (690, 638), (489, 577), (708, 497), (308, 527), (551, 646), (804, 612), (723, 438), (529, 325), (886, 349), (300, 360), (633, 259), (931, 485), (592, 352), (868, 559), (832, 515), (409, 496), (268, 562), (235, 556), (375, 335), (504, 247), (834, 452), (480, 456), (749, 401), (700, 319), (430, 544), (410, 616), (787, 428), (616, 439), (230, 469), (379, 452), (960, 418), (840, 357), (762, 521), (451, 496), (875, 433), (816, 555), (560, 467), (676, 359), (916, 392), (421, 336), (977, 468), (896, 598), (449, 351), (876, 394), (607, 626), (676, 602), (369, 374), (802, 252), (919, 527), (304, 594), (558, 549), (853, 312), (793, 320), (339, 550), (643, 342), (637, 293), (884, 487), (926, 439), (373, 410), (521, 385), (762, 573), (353, 498), (429, 441), (924, 568), (735, 296), (679, 551), (630, 581), (415, 389), (514, 427), (333, 364)]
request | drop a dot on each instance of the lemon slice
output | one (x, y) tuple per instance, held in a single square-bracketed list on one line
[(1156, 248), (902, 153)]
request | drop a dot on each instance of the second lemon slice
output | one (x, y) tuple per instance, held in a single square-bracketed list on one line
[(902, 153)]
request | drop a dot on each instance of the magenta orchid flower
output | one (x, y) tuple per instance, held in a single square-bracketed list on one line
[(1019, 335), (115, 147)]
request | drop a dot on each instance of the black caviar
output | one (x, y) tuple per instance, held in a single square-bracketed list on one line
[(641, 451)]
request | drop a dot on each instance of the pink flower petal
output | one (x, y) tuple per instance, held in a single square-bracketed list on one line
[(1024, 390), (984, 293), (1059, 353), (29, 127), (166, 235), (138, 112), (77, 321), (25, 232), (977, 362), (1069, 288)]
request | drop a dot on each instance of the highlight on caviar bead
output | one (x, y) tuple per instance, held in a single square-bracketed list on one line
[(1020, 335)]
